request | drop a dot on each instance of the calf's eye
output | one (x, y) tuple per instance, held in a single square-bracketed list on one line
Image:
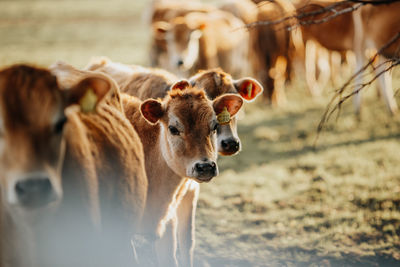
[(215, 127), (173, 130), (59, 126)]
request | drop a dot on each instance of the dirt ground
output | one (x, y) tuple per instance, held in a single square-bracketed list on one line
[(282, 201)]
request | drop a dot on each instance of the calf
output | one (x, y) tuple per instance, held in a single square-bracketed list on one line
[(245, 10), (206, 40), (73, 184), (336, 34), (370, 27), (155, 83), (374, 27), (179, 139), (165, 11), (273, 48)]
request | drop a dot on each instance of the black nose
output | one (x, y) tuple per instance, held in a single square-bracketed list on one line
[(179, 63), (34, 192), (206, 169), (230, 145)]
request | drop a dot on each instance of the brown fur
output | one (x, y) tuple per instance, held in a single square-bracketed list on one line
[(165, 12), (245, 10), (272, 49), (135, 80), (102, 175), (336, 34), (164, 163), (194, 111), (222, 42)]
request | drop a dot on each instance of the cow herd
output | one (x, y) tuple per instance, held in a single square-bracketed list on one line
[(101, 166)]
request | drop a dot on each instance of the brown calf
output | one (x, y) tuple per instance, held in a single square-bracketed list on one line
[(206, 40), (179, 140), (155, 83), (273, 48), (245, 10), (335, 35), (165, 11), (370, 27), (375, 26), (73, 185)]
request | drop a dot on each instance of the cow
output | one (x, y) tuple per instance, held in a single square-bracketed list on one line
[(178, 134), (273, 48), (201, 40), (370, 27), (245, 10), (374, 27), (336, 34), (165, 11), (73, 182), (155, 83)]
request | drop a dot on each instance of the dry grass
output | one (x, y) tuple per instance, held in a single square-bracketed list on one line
[(280, 201)]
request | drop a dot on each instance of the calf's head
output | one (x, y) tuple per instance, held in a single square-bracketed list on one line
[(181, 39), (188, 128), (32, 141), (215, 83)]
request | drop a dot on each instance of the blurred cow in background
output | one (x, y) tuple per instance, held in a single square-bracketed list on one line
[(201, 40), (274, 47), (335, 35), (162, 12), (370, 27)]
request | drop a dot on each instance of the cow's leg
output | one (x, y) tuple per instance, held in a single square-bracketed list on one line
[(310, 62), (186, 225), (336, 63), (166, 246), (278, 74), (385, 85), (324, 68), (359, 52)]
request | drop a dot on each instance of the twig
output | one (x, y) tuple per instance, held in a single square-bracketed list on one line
[(339, 92), (299, 18)]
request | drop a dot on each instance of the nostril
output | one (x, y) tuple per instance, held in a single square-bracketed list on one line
[(33, 185), (230, 144), (224, 144), (34, 191), (179, 63), (205, 167), (235, 144)]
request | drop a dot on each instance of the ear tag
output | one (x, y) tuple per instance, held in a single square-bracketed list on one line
[(88, 101), (224, 117), (249, 90)]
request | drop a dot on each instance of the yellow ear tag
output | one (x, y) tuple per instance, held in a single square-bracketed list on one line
[(249, 90), (224, 117), (88, 101)]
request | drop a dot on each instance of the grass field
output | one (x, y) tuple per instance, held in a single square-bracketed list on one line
[(281, 201)]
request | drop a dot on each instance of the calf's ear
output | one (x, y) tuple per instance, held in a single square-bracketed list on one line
[(160, 28), (180, 85), (231, 102), (88, 93), (248, 88), (152, 110)]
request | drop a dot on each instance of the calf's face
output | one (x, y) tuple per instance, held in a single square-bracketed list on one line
[(216, 82), (182, 42), (188, 129), (32, 145)]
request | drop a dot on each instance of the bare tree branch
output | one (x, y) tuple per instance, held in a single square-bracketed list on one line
[(335, 9), (338, 99), (375, 2)]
